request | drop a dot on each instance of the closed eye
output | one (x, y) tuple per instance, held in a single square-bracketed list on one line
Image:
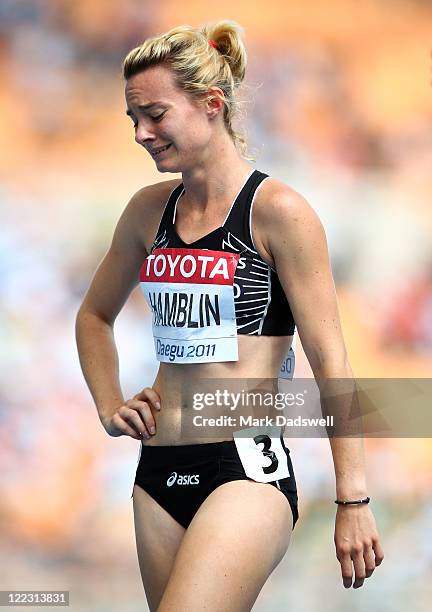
[(157, 117)]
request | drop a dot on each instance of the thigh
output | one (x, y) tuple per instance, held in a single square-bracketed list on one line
[(158, 537), (234, 542)]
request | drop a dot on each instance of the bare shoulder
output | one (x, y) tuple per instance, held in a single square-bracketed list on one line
[(278, 207), (150, 195), (277, 198), (145, 208)]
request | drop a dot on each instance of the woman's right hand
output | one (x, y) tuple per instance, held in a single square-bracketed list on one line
[(134, 417)]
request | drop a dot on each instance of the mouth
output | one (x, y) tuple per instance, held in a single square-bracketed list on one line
[(160, 150)]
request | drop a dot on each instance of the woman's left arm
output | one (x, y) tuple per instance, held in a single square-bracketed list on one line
[(294, 237)]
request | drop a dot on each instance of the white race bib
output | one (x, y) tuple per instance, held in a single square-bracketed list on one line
[(263, 456), (190, 292)]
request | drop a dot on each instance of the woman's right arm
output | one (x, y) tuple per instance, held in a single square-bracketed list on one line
[(115, 278)]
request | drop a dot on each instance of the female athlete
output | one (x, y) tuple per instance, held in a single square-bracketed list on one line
[(228, 259)]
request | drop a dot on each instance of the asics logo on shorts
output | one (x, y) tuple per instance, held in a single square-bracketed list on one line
[(182, 479)]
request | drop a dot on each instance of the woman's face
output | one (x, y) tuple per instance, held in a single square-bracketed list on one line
[(164, 115)]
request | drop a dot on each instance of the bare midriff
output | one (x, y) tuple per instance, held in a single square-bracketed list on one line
[(260, 357)]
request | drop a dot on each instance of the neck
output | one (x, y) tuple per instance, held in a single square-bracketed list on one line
[(217, 178)]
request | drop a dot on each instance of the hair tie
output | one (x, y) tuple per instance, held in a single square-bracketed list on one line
[(213, 43)]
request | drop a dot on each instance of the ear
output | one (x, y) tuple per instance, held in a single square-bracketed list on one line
[(214, 102)]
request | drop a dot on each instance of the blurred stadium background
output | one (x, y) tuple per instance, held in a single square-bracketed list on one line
[(338, 105)]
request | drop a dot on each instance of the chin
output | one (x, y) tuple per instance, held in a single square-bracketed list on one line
[(163, 170), (172, 168)]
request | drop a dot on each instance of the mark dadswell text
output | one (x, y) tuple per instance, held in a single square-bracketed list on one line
[(250, 421)]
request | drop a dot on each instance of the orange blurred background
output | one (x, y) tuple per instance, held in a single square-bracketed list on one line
[(338, 105)]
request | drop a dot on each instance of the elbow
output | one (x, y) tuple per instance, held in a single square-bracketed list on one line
[(334, 369), (330, 364), (85, 315), (81, 314)]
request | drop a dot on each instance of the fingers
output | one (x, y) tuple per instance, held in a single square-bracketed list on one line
[(139, 416), (379, 554), (347, 561), (359, 568), (364, 559), (135, 417), (123, 428), (346, 567), (149, 395), (369, 559)]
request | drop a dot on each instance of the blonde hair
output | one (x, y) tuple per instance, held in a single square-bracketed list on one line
[(197, 65)]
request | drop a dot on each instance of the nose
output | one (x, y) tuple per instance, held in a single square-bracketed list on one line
[(143, 134)]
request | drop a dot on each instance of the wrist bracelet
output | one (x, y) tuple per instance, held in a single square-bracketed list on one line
[(366, 500)]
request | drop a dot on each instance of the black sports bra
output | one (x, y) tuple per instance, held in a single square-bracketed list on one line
[(261, 307), (205, 293)]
